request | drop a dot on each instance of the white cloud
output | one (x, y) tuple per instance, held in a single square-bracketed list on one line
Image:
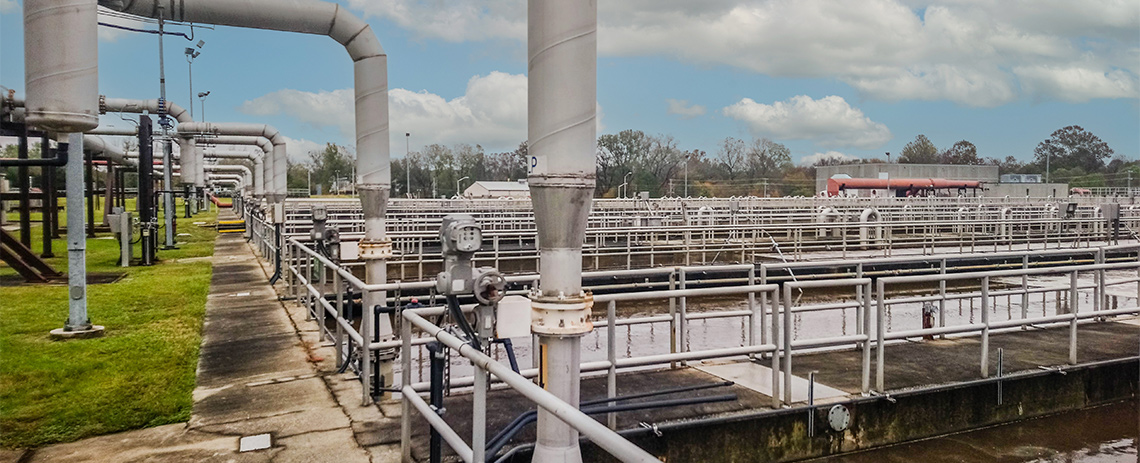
[(491, 113), (9, 6), (965, 51), (299, 148), (828, 121), (811, 159), (683, 109)]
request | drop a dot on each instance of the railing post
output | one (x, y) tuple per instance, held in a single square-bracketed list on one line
[(321, 302), (776, 352), (672, 318), (880, 328), (787, 343), (1098, 289), (754, 312), (942, 295), (860, 313), (611, 355), (405, 380), (684, 316), (986, 327), (1073, 288), (339, 338), (1024, 288), (866, 321)]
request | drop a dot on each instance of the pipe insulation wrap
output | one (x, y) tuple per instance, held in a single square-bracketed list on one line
[(562, 134), (61, 64)]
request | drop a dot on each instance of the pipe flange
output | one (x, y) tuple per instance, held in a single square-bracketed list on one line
[(375, 249), (564, 316), (102, 104)]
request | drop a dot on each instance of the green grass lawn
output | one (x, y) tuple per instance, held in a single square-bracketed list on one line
[(139, 374)]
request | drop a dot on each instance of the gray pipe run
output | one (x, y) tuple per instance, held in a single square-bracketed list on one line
[(562, 60), (190, 171), (370, 72), (275, 163), (264, 169), (254, 181), (245, 174)]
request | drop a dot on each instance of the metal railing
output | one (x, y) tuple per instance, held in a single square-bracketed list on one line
[(326, 289)]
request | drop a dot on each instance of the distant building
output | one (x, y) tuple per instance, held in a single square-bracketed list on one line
[(991, 184), (483, 189)]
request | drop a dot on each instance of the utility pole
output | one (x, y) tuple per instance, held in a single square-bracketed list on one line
[(408, 164), (168, 211), (687, 159)]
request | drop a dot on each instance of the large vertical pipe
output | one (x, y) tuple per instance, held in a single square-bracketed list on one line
[(561, 129), (61, 75)]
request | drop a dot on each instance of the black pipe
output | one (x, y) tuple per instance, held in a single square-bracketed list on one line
[(276, 254), (145, 197), (90, 166), (25, 186), (502, 437), (437, 352), (46, 173), (494, 449)]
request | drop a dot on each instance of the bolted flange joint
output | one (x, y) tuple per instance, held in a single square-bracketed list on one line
[(375, 249), (561, 315)]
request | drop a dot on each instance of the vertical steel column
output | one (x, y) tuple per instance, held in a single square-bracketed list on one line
[(76, 240), (1025, 288)]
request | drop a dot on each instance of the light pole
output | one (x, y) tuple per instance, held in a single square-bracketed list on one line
[(457, 185), (202, 97), (625, 183), (408, 164), (191, 53), (687, 158)]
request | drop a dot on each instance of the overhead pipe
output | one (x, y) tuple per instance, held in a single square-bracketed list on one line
[(276, 163), (61, 65), (246, 175), (262, 164), (562, 135), (252, 158), (370, 71)]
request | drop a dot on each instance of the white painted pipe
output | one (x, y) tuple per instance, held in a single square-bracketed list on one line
[(275, 185), (61, 64), (562, 59), (261, 164), (98, 145)]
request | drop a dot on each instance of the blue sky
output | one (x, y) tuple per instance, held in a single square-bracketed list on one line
[(821, 76)]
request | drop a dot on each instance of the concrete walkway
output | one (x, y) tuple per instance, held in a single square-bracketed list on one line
[(260, 372)]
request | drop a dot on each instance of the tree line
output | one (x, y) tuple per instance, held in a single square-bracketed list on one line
[(632, 161)]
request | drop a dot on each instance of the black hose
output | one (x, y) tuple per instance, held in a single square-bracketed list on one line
[(528, 417)]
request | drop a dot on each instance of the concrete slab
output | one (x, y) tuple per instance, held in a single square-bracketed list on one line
[(759, 378), (337, 446)]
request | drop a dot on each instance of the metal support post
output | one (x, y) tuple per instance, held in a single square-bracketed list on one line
[(866, 344), (985, 327), (46, 184), (880, 331), (90, 183), (168, 209), (611, 355), (405, 377), (1073, 295), (78, 324), (787, 341), (25, 186)]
